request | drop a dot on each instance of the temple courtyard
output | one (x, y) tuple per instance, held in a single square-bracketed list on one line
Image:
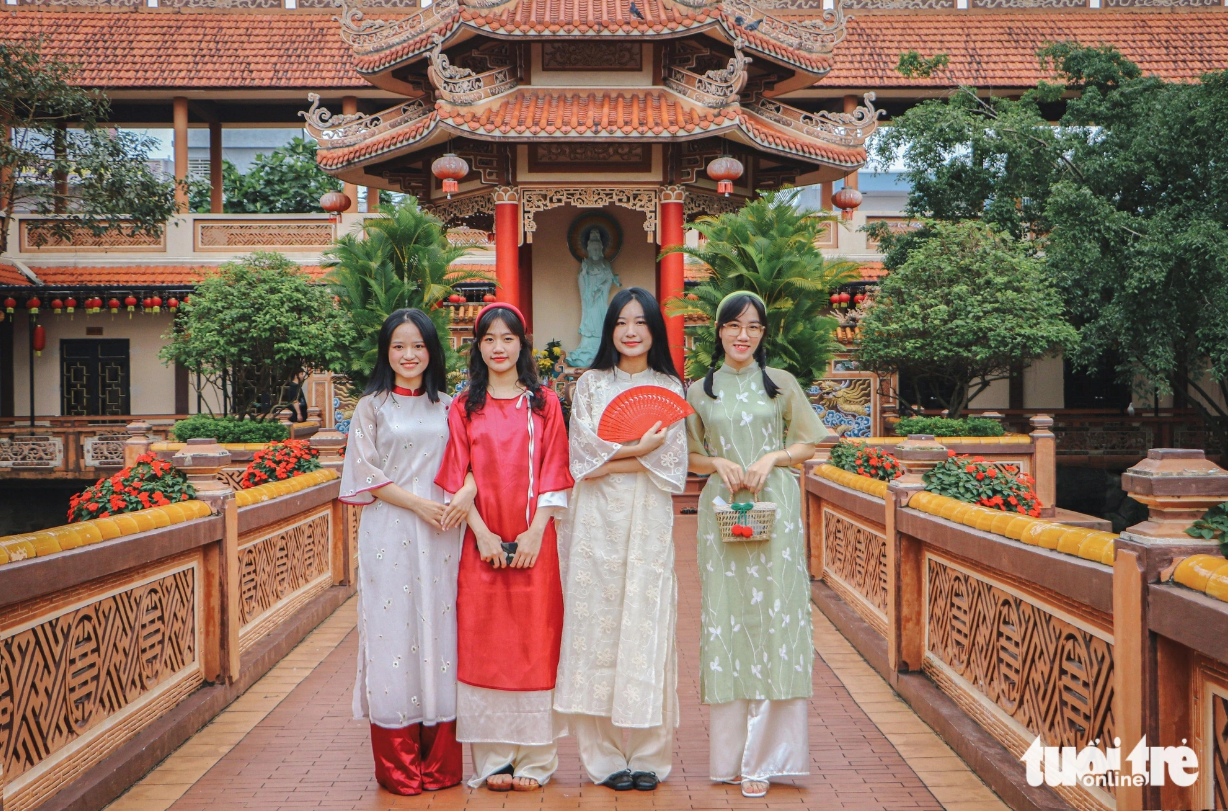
[(291, 741)]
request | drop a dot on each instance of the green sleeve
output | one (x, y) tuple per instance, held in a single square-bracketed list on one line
[(800, 418), (695, 423)]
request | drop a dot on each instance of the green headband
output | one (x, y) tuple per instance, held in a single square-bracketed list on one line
[(736, 293)]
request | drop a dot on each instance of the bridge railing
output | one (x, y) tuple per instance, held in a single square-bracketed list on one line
[(1000, 629), (121, 637)]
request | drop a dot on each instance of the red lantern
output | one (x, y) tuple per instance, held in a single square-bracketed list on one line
[(835, 298), (845, 298), (185, 300), (860, 297), (130, 303), (95, 304), (450, 168), (157, 303), (40, 339), (9, 304), (147, 304), (488, 298), (32, 305), (846, 200), (172, 304), (334, 203), (70, 304), (57, 306), (724, 170), (113, 304)]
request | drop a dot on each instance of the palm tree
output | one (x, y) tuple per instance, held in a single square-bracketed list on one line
[(402, 260), (768, 246)]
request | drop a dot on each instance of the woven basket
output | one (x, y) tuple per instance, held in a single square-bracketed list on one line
[(761, 519)]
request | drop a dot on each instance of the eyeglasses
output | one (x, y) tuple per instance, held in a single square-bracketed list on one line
[(732, 329)]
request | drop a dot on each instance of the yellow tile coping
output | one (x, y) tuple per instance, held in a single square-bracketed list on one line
[(83, 533), (871, 487), (1205, 573), (264, 492), (230, 446), (1005, 439), (1088, 544)]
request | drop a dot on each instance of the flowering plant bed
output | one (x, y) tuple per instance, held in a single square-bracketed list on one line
[(976, 481), (148, 483), (281, 460), (872, 462)]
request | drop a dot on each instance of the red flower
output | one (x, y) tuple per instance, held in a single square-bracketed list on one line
[(970, 468), (992, 472), (979, 476)]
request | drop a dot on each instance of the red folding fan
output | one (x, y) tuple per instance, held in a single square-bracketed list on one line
[(629, 415)]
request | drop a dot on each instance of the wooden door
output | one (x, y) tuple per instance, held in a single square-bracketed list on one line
[(94, 377)]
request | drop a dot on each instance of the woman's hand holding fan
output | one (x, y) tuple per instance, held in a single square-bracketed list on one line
[(640, 413)]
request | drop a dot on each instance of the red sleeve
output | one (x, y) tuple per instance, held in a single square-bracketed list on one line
[(455, 465), (555, 474)]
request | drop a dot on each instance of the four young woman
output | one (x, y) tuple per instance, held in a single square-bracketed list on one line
[(519, 633)]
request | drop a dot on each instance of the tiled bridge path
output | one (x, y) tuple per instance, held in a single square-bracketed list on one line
[(290, 742)]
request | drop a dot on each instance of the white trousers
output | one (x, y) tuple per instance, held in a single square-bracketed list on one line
[(537, 762), (759, 740), (604, 752)]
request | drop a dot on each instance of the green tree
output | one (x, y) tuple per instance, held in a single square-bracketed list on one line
[(1124, 199), (58, 158), (253, 326), (284, 181), (402, 260), (768, 246), (966, 306)]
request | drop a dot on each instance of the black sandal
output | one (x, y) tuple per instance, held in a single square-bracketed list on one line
[(645, 781), (505, 770), (619, 781)]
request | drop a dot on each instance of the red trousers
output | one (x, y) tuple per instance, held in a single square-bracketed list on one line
[(417, 757)]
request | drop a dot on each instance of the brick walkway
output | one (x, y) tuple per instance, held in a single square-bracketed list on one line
[(291, 743)]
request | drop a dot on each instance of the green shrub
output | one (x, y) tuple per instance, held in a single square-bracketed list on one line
[(844, 454), (229, 429), (942, 426)]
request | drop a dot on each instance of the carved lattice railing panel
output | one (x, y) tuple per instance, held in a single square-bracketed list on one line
[(36, 235), (1019, 666), (86, 670), (229, 235), (281, 569), (533, 201), (855, 566), (1219, 750), (104, 450), (35, 451)]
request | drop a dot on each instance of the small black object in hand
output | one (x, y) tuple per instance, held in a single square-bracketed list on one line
[(509, 549)]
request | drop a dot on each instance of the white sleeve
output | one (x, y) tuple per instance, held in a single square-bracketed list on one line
[(557, 498)]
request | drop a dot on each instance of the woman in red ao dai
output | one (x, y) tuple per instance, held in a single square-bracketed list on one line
[(507, 436), (408, 556)]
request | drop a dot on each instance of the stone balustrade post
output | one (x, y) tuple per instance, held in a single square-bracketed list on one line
[(139, 442), (905, 579), (920, 453), (203, 460), (1044, 463), (1177, 486)]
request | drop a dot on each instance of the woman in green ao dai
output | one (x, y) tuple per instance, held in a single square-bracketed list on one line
[(751, 423)]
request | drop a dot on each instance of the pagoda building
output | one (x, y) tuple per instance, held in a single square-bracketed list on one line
[(573, 115)]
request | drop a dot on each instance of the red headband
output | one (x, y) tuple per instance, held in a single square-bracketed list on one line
[(496, 305)]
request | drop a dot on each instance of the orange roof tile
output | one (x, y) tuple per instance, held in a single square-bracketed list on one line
[(193, 50), (67, 276), (10, 275), (384, 142), (999, 49), (872, 271)]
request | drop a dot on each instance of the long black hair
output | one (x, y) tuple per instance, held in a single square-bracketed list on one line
[(731, 312), (659, 357), (479, 374), (434, 379)]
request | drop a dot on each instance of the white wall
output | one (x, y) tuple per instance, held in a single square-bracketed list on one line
[(151, 384), (556, 292), (1044, 383)]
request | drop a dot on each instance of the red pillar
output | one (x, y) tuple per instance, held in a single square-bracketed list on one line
[(671, 278), (507, 245)]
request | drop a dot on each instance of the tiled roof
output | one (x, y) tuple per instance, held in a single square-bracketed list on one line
[(167, 50), (12, 276), (135, 276), (385, 142), (872, 271), (999, 49)]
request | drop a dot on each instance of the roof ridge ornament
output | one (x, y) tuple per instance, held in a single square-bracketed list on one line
[(331, 130), (357, 31), (846, 129)]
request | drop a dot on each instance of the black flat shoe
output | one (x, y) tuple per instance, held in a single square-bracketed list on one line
[(620, 781), (645, 781)]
